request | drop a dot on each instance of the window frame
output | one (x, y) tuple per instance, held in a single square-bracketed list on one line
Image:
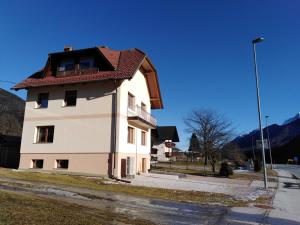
[(130, 139), (91, 61), (33, 164), (131, 101), (143, 106), (38, 104), (65, 99), (66, 62), (143, 138), (38, 135), (61, 168)]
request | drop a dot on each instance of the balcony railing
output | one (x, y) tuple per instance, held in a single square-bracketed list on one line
[(138, 113), (77, 71)]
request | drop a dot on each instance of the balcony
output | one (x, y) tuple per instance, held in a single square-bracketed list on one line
[(77, 71), (140, 117)]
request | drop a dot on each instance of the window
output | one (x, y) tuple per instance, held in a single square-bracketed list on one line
[(42, 100), (37, 163), (143, 138), (70, 98), (131, 101), (62, 164), (130, 135), (86, 63), (143, 106), (45, 134), (66, 66)]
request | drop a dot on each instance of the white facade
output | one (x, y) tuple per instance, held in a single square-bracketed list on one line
[(84, 134)]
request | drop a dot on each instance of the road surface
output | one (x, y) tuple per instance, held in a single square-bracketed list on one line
[(287, 199)]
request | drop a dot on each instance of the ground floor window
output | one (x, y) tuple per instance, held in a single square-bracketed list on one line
[(37, 163), (45, 134), (62, 164)]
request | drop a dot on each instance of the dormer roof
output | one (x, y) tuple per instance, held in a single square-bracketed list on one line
[(121, 65)]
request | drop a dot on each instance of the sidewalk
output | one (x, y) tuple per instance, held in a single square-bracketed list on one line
[(286, 202)]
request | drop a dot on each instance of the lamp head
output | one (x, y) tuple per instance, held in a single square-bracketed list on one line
[(257, 40)]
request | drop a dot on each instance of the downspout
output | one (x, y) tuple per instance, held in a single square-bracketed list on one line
[(115, 129)]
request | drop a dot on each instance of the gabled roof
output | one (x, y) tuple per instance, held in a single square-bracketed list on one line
[(124, 62), (163, 133)]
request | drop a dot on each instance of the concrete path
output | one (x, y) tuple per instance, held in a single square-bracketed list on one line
[(287, 200), (239, 189)]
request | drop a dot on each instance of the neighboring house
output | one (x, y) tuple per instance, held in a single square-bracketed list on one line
[(89, 111), (163, 138), (178, 155)]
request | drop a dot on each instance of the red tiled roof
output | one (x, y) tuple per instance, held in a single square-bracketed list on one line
[(125, 63)]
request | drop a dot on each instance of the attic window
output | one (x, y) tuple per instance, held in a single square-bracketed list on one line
[(42, 100), (66, 66), (86, 63)]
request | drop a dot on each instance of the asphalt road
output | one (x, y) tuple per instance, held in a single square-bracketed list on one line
[(293, 169)]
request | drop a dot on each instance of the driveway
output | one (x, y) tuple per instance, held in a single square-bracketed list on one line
[(157, 211), (239, 189)]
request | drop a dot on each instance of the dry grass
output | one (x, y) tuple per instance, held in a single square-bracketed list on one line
[(98, 184), (23, 209)]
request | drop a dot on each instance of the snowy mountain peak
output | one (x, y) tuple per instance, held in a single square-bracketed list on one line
[(296, 117)]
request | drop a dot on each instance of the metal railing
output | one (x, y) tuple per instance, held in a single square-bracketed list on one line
[(77, 71), (138, 111)]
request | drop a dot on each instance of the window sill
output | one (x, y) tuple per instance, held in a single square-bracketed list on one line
[(40, 108), (68, 106), (42, 143)]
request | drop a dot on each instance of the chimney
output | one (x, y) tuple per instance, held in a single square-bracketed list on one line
[(68, 48)]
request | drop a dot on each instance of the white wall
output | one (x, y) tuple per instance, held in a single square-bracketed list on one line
[(84, 128), (138, 87)]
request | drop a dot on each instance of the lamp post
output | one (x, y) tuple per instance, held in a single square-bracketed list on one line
[(254, 42), (269, 143)]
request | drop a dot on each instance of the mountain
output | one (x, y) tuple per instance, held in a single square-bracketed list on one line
[(292, 119), (11, 114), (280, 135)]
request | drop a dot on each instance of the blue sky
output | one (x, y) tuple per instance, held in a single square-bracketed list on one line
[(201, 49)]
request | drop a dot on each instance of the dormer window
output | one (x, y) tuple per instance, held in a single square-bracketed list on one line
[(66, 65), (86, 63)]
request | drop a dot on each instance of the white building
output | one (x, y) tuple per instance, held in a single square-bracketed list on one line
[(163, 138), (89, 111)]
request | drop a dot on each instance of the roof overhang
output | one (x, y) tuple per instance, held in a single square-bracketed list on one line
[(150, 74)]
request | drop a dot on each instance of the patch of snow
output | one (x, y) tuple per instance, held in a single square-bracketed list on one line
[(296, 117)]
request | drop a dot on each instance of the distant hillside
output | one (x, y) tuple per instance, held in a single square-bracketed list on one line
[(279, 135), (287, 151), (11, 114)]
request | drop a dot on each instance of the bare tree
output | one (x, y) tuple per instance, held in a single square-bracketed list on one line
[(213, 132)]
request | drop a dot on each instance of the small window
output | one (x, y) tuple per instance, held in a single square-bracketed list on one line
[(130, 135), (70, 98), (143, 138), (131, 101), (45, 134), (66, 66), (143, 106), (37, 163), (62, 164), (86, 63), (42, 100)]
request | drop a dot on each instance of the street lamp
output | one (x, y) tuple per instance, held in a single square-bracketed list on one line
[(269, 143), (254, 42)]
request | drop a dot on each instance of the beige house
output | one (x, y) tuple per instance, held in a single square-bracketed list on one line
[(89, 111)]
